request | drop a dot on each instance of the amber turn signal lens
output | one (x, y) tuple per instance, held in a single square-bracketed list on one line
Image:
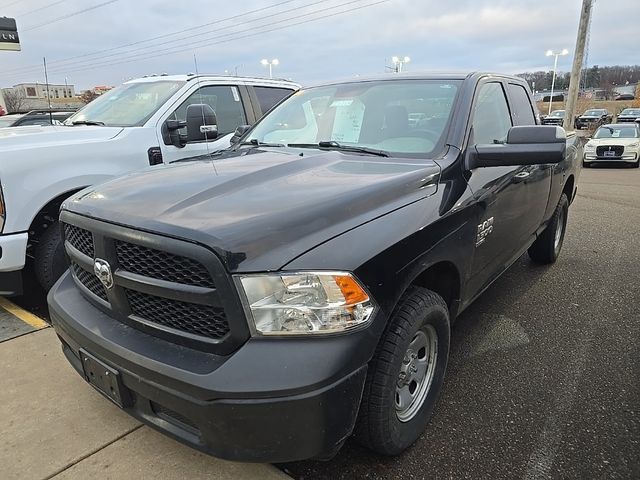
[(352, 292)]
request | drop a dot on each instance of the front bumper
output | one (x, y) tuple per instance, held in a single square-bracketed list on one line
[(273, 400), (626, 157), (13, 248)]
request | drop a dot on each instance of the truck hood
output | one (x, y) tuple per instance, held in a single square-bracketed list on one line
[(16, 138), (260, 209)]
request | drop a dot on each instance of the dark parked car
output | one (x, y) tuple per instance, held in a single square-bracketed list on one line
[(301, 286), (35, 117), (554, 118), (593, 118), (628, 115)]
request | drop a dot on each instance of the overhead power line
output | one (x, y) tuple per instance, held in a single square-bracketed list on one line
[(199, 36), (163, 36), (69, 15), (39, 9), (12, 3), (164, 53)]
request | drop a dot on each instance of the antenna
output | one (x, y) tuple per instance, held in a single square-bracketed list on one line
[(195, 62)]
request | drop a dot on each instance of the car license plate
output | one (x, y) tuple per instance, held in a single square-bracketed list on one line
[(105, 379), (609, 153)]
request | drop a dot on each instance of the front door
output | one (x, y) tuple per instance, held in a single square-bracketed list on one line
[(499, 191), (230, 112)]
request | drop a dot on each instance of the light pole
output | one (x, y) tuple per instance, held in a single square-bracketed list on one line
[(399, 62), (555, 66), (270, 64)]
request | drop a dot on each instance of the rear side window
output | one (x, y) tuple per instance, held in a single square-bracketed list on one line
[(269, 96), (522, 113), (491, 119)]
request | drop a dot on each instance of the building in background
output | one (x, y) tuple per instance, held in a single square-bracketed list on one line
[(33, 96)]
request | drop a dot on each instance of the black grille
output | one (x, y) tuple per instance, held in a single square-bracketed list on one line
[(162, 265), (204, 320), (90, 281), (616, 149), (80, 238), (172, 416)]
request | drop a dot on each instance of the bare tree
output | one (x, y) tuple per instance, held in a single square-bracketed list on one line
[(88, 96), (14, 100)]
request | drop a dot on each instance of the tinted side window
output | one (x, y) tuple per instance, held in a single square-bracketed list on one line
[(225, 101), (491, 119), (269, 96), (521, 105)]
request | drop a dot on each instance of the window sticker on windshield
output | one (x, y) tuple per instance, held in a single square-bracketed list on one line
[(348, 122), (616, 133), (341, 103), (236, 97)]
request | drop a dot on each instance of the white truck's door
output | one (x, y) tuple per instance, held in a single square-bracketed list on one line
[(230, 112)]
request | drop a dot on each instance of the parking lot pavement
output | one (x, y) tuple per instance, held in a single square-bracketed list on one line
[(55, 426), (544, 376)]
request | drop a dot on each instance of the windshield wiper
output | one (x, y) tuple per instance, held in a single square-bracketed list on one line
[(87, 122), (256, 143), (333, 145)]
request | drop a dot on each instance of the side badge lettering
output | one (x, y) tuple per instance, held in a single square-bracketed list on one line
[(484, 229)]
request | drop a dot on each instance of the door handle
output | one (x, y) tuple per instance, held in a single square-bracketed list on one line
[(522, 175)]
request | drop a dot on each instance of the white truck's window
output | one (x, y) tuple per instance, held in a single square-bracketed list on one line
[(407, 117), (269, 96), (491, 119), (225, 101), (129, 105)]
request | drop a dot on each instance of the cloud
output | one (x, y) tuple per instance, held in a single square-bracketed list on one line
[(495, 35)]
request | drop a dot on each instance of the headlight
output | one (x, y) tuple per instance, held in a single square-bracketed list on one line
[(589, 146), (305, 302), (634, 144)]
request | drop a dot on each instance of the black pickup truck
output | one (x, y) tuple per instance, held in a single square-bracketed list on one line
[(267, 302)]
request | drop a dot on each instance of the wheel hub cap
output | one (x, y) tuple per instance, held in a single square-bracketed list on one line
[(416, 373)]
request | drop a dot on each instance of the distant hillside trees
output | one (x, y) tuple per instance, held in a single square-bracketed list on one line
[(606, 78)]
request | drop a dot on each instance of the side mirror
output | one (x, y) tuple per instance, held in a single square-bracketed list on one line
[(240, 131), (202, 124), (525, 145)]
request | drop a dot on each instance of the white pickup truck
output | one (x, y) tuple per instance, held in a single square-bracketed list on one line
[(140, 124)]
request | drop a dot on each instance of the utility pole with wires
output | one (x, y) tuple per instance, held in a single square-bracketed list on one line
[(576, 70)]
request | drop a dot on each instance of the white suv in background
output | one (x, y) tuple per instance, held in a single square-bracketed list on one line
[(140, 124)]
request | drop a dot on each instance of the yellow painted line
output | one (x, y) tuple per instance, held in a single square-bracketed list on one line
[(26, 317)]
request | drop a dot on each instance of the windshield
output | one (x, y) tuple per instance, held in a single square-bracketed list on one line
[(129, 105), (616, 132), (593, 113), (399, 117), (631, 111), (557, 113)]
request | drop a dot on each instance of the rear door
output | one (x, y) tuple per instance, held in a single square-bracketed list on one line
[(536, 179)]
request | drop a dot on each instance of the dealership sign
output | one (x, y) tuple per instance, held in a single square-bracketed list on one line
[(9, 34)]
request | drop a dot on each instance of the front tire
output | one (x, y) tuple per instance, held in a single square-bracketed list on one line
[(49, 261), (547, 246), (406, 374)]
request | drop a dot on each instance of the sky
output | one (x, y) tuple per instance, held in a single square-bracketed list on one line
[(105, 42)]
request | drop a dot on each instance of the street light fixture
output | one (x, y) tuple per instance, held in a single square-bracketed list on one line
[(555, 66), (270, 64), (399, 62)]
